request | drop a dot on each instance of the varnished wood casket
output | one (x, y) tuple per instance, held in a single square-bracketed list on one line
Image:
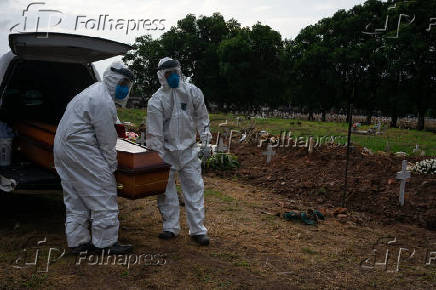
[(141, 172)]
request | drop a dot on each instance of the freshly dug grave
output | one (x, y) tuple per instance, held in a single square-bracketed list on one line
[(318, 179)]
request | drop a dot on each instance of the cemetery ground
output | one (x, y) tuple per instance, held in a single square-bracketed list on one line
[(251, 247), (399, 140), (371, 243)]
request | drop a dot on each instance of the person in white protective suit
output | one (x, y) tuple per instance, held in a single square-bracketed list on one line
[(86, 158), (175, 113)]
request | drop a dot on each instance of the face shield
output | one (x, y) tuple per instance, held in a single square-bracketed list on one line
[(169, 73), (124, 86)]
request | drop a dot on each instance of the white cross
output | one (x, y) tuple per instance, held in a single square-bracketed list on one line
[(221, 147), (141, 140), (403, 175), (223, 124), (269, 153)]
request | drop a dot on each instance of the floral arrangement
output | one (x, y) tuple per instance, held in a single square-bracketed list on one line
[(132, 136), (427, 166)]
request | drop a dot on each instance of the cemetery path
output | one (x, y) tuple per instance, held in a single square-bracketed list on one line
[(251, 247)]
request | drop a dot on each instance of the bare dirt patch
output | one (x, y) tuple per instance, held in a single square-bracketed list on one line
[(249, 249)]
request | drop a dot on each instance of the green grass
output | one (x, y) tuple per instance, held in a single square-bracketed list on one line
[(309, 251), (242, 264), (35, 281), (219, 195), (398, 139), (135, 116)]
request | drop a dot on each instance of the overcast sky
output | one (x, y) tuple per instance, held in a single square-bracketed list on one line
[(286, 16)]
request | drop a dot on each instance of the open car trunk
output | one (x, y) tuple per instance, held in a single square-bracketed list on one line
[(38, 91), (44, 73), (47, 71)]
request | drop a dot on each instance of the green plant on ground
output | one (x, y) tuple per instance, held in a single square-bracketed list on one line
[(222, 161)]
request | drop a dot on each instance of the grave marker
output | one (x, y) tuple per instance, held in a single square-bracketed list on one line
[(403, 175), (269, 153), (221, 148)]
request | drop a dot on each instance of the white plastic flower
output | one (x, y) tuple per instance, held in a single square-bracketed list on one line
[(427, 166)]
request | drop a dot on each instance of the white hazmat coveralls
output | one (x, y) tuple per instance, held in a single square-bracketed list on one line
[(85, 159), (174, 116)]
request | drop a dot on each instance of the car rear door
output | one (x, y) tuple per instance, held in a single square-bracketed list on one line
[(61, 47)]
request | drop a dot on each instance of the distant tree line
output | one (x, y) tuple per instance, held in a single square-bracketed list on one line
[(381, 54)]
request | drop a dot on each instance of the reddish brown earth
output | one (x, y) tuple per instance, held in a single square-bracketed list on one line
[(318, 180), (251, 247)]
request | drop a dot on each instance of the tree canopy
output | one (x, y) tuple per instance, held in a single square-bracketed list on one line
[(381, 53)]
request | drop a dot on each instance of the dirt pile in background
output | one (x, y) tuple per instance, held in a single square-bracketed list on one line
[(319, 179)]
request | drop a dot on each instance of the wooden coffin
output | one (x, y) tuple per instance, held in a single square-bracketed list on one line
[(141, 172), (37, 152), (37, 131)]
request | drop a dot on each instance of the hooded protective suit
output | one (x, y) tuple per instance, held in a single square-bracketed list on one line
[(174, 116), (85, 159)]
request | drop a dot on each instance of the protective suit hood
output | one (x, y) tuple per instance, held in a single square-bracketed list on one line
[(162, 70), (111, 79)]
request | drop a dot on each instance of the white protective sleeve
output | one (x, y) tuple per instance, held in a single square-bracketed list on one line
[(201, 115), (154, 130), (103, 117)]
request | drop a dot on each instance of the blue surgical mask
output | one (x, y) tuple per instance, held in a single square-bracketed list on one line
[(121, 92), (173, 80)]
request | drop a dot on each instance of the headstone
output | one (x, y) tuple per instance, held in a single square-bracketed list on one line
[(269, 153), (141, 140), (403, 175), (221, 148)]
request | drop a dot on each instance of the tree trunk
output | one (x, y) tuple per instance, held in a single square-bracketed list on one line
[(421, 120), (310, 116), (369, 118), (323, 116), (394, 118)]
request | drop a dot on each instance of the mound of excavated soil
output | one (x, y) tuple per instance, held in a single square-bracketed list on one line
[(319, 178)]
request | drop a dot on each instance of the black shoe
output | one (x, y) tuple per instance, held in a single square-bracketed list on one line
[(116, 249), (165, 235), (83, 248), (202, 240)]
